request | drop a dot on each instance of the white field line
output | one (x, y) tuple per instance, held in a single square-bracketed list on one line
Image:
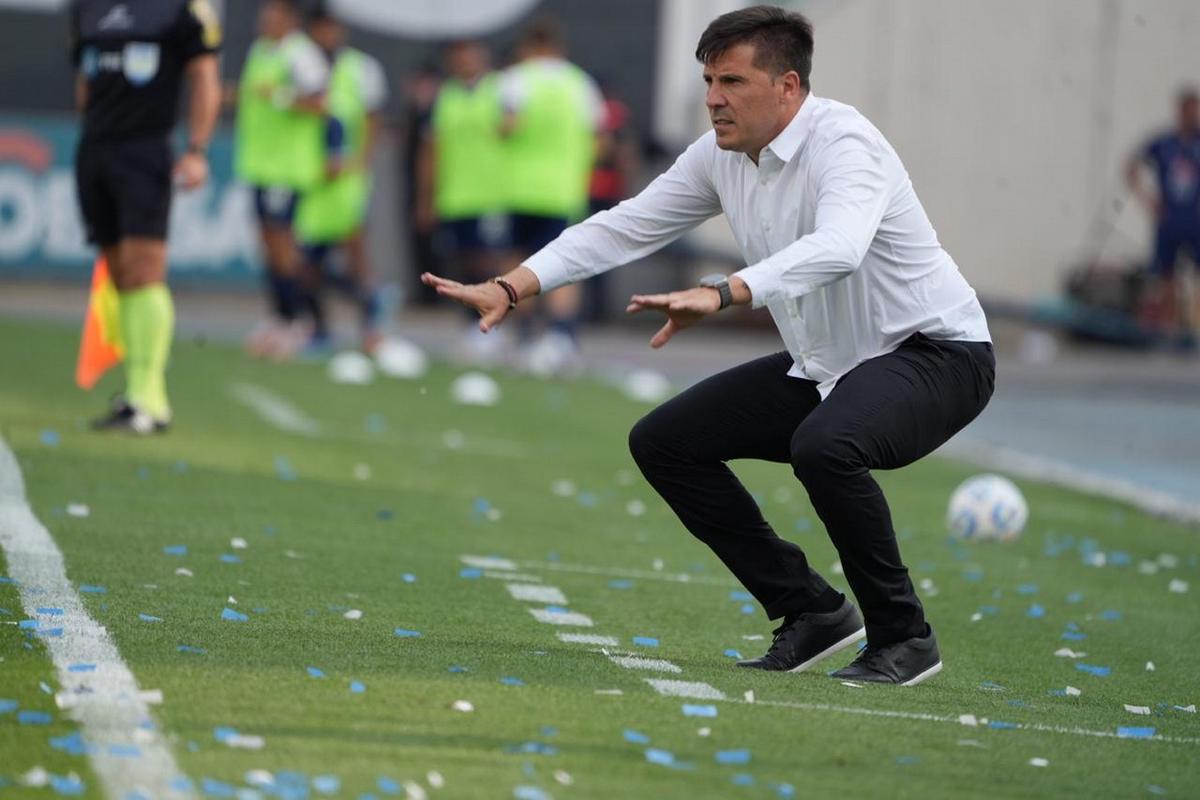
[(618, 572), (638, 662), (274, 410), (550, 617), (487, 562), (587, 638), (916, 716), (1048, 470), (110, 709), (697, 691), (533, 593)]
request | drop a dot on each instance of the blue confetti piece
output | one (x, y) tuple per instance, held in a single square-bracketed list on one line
[(588, 499), (375, 423), (907, 760), (313, 672), (384, 514), (1001, 725), (1075, 597), (125, 750), (29, 625), (1155, 789), (620, 583), (187, 648), (558, 610), (731, 653), (71, 744), (66, 785), (175, 550), (548, 731), (785, 790), (81, 668), (387, 785), (748, 608), (1027, 588), (663, 758), (733, 756), (88, 588), (233, 616), (480, 506), (740, 595), (49, 437), (1102, 672), (223, 733), (181, 783), (283, 468), (510, 681), (456, 669), (214, 788), (973, 575), (230, 558), (8, 706), (357, 687), (525, 792), (803, 524), (1035, 611), (50, 612), (6, 579), (690, 710), (645, 641), (471, 573), (33, 718), (149, 618), (46, 633), (1119, 558), (326, 784), (743, 779), (1134, 732), (1110, 615), (992, 686), (408, 577), (1074, 636), (635, 737), (407, 634)]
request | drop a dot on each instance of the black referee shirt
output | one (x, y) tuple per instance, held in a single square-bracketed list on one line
[(133, 54)]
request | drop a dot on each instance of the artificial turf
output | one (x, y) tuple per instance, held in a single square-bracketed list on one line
[(374, 511)]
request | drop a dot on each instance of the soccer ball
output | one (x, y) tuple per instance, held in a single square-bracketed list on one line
[(987, 507)]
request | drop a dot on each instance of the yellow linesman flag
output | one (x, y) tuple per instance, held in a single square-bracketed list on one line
[(100, 347)]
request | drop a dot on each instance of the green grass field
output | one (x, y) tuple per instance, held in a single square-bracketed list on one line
[(374, 513)]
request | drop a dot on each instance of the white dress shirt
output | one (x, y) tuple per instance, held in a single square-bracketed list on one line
[(840, 249)]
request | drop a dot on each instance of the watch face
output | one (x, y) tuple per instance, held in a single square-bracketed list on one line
[(713, 280)]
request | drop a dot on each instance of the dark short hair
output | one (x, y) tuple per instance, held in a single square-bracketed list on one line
[(783, 40), (1188, 94), (543, 32)]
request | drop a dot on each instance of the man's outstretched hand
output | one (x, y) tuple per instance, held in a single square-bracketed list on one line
[(683, 309), (489, 299)]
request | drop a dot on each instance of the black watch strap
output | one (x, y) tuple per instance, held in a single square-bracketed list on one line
[(721, 284)]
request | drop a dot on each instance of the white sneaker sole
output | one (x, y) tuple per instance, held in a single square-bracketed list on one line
[(827, 652), (924, 676)]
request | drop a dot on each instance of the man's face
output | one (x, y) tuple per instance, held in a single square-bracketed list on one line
[(466, 60), (745, 105), (328, 34), (1189, 114), (275, 20)]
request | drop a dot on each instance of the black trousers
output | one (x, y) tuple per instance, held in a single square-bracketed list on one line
[(885, 413)]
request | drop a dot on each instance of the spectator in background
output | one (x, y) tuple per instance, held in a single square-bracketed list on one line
[(461, 176), (552, 112), (1174, 158), (612, 178), (280, 152), (333, 213)]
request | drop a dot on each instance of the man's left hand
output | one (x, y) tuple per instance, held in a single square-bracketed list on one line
[(191, 171), (683, 309)]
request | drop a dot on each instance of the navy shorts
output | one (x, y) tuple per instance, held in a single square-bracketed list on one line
[(275, 205), (473, 234), (531, 232), (124, 188), (1172, 236)]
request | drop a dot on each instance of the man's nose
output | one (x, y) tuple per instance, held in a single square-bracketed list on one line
[(714, 98)]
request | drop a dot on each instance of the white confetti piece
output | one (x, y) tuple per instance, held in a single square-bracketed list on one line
[(1167, 561), (1177, 586), (232, 600), (475, 389), (36, 778), (292, 554), (652, 664), (413, 790), (488, 562), (243, 741), (1038, 762), (749, 695), (1149, 666), (78, 510), (699, 691), (237, 543), (613, 692), (151, 697), (260, 778), (563, 488), (754, 637), (703, 731), (1187, 709), (970, 743), (1140, 710), (563, 777), (1071, 691), (454, 440), (976, 617), (1066, 652), (362, 472), (550, 595), (464, 706), (851, 684), (836, 568), (635, 508), (658, 565), (1148, 567), (435, 779), (588, 638), (183, 572), (968, 719), (353, 613)]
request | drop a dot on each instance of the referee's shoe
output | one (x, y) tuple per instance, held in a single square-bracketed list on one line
[(907, 663), (805, 639)]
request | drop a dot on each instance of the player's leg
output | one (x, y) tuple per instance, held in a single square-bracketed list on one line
[(314, 258), (556, 352), (361, 290), (886, 413), (276, 209), (681, 447)]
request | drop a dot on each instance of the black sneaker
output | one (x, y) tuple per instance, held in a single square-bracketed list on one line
[(907, 663), (805, 639), (128, 418)]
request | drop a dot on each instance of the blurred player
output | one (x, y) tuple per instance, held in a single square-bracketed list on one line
[(461, 175), (1174, 207), (132, 58), (280, 152), (552, 112), (333, 213)]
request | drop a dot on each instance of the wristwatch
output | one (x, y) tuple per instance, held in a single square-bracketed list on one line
[(721, 284)]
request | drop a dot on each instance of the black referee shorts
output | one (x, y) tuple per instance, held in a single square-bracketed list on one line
[(124, 188)]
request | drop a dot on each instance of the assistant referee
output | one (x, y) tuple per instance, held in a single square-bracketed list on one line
[(888, 351), (132, 57)]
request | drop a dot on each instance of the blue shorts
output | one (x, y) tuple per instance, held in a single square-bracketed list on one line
[(275, 205), (531, 232), (473, 234), (1172, 236)]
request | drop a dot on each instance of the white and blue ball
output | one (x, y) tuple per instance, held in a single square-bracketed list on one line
[(987, 507)]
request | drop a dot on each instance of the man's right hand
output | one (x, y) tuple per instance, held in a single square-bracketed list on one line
[(489, 299)]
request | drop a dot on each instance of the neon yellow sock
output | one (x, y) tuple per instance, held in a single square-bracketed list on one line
[(147, 326)]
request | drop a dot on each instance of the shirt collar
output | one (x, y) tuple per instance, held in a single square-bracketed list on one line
[(792, 138)]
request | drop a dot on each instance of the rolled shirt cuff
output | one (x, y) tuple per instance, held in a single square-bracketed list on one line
[(551, 269), (760, 279)]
